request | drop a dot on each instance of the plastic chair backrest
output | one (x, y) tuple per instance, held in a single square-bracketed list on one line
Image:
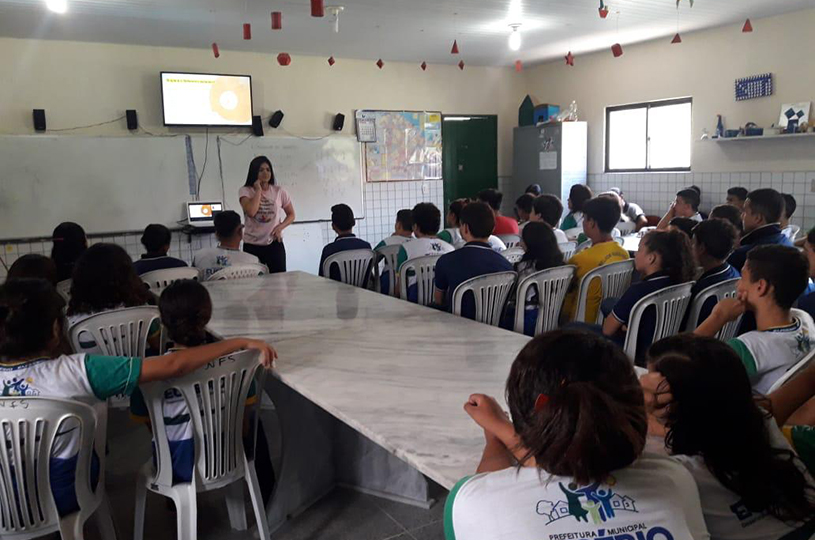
[(513, 254), (354, 265), (671, 303), (552, 285), (390, 254), (216, 399), (158, 279), (491, 293), (28, 429), (626, 227), (802, 364), (64, 289), (615, 278), (239, 271), (725, 289), (510, 240), (119, 332), (424, 270), (568, 249), (585, 244)]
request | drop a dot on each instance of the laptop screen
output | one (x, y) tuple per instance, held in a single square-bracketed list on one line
[(199, 212)]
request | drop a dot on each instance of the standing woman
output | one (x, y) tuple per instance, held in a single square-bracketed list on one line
[(264, 205)]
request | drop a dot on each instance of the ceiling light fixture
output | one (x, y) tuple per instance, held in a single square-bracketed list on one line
[(335, 11), (515, 37), (57, 6)]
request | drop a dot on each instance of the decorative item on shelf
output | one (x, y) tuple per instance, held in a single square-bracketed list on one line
[(569, 59), (752, 130), (526, 112), (284, 59), (803, 127), (545, 113), (215, 51), (277, 20), (568, 115), (705, 135), (793, 115), (755, 86), (719, 127), (247, 31), (731, 133), (617, 50), (748, 26), (603, 10)]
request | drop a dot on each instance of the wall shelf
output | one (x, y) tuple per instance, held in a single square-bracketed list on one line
[(762, 137)]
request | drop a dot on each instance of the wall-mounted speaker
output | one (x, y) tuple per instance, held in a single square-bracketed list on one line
[(339, 122), (39, 119), (257, 126), (276, 118), (132, 119)]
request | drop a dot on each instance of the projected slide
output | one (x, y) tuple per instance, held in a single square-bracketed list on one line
[(206, 100)]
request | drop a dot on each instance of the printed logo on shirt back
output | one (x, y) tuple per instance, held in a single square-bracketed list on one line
[(745, 516), (18, 387), (592, 501)]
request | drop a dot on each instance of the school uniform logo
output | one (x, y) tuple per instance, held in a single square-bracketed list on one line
[(18, 387), (592, 502)]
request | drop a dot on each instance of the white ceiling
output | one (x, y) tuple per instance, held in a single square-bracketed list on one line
[(395, 30)]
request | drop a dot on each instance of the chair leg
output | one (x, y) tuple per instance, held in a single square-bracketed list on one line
[(257, 500), (70, 527), (141, 503), (186, 505), (236, 507), (104, 520)]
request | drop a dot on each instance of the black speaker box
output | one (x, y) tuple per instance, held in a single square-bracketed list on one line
[(132, 119), (257, 126), (339, 121), (276, 118), (39, 119)]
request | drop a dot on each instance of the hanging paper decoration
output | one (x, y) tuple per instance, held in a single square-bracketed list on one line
[(689, 1), (284, 59), (748, 27), (424, 66), (569, 59), (519, 66), (317, 8), (277, 20), (617, 50), (247, 31), (603, 10), (380, 64), (215, 50), (677, 39), (454, 50), (331, 61), (461, 65)]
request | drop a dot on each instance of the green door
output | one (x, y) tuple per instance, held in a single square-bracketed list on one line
[(470, 155)]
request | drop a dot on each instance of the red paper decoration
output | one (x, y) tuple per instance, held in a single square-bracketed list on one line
[(380, 64), (277, 20), (215, 50), (519, 66), (331, 61), (247, 31), (461, 65), (748, 27), (677, 39), (424, 66), (569, 59), (454, 50), (284, 59), (603, 10), (317, 8), (617, 50)]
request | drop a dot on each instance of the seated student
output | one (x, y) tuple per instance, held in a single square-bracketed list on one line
[(664, 259), (229, 232), (686, 205), (577, 430), (475, 259), (631, 212), (751, 484), (600, 215), (771, 280), (789, 209), (728, 213), (156, 240), (698, 190), (452, 234), (736, 197), (683, 225), (70, 243), (793, 407), (807, 299), (548, 209), (523, 208), (713, 240), (579, 194), (402, 232), (762, 212), (503, 224), (426, 223), (30, 333), (541, 252), (33, 266), (342, 221), (534, 190)]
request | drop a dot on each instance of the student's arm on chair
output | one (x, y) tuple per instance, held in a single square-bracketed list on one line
[(612, 325), (725, 311)]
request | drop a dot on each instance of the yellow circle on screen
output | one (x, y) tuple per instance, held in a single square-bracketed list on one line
[(230, 99)]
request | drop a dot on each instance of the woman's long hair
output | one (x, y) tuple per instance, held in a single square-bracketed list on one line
[(674, 250), (254, 169), (70, 243), (714, 415), (104, 278), (541, 246)]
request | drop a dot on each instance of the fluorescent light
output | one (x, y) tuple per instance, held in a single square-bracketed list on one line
[(515, 37), (57, 6), (457, 118)]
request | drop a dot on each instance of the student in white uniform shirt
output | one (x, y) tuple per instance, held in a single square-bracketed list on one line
[(426, 223), (548, 209), (578, 429), (402, 232), (685, 205), (229, 232), (751, 484), (452, 235)]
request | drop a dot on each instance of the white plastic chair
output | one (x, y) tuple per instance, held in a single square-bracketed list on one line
[(725, 289), (423, 270), (670, 305), (802, 364), (29, 427), (568, 249), (215, 397), (626, 227), (64, 289), (552, 285), (791, 232), (510, 240), (239, 271), (490, 292), (354, 265), (513, 254), (585, 244), (389, 254), (119, 332), (615, 278), (158, 279)]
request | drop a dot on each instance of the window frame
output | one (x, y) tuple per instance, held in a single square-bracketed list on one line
[(647, 105)]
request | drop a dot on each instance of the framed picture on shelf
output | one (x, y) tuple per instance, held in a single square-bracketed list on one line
[(796, 113)]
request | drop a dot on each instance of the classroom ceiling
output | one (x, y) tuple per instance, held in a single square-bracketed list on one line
[(395, 30)]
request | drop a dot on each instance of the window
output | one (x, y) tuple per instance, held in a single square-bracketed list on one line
[(654, 136)]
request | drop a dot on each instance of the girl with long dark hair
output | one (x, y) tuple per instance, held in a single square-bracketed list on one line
[(70, 243)]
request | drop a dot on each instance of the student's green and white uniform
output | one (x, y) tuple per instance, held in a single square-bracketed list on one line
[(572, 221), (453, 237), (768, 354), (655, 498), (420, 247), (393, 240)]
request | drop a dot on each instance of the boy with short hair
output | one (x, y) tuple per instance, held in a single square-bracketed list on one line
[(476, 258), (548, 209), (600, 216), (762, 213), (342, 222), (523, 207), (772, 278), (503, 224), (156, 240), (402, 229), (736, 197), (685, 205), (426, 224), (712, 241), (229, 232)]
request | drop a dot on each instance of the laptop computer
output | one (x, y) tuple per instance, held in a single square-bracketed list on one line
[(202, 213)]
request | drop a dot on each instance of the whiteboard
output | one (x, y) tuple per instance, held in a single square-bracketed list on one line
[(317, 174)]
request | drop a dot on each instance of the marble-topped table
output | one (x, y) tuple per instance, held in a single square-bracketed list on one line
[(396, 372)]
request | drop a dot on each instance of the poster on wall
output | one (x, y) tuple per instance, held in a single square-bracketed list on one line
[(408, 146)]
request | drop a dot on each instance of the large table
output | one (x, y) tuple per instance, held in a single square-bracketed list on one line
[(369, 389)]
